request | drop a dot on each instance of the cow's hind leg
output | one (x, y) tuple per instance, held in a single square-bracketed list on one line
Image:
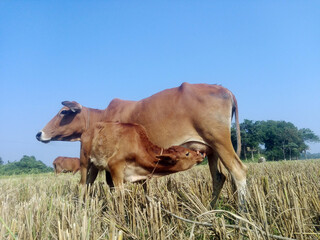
[(234, 165), (218, 177)]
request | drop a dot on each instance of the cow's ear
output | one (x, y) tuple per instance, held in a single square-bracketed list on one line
[(74, 106), (166, 159)]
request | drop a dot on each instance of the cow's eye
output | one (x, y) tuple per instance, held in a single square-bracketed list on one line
[(187, 154), (64, 112)]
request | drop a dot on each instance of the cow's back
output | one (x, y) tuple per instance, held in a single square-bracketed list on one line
[(66, 164), (175, 116)]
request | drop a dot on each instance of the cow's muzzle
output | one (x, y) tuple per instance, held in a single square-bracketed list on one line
[(40, 138)]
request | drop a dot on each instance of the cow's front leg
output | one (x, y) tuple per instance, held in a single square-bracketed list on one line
[(84, 164), (83, 174)]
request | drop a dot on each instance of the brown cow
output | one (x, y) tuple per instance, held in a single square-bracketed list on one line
[(196, 116), (66, 164), (124, 150)]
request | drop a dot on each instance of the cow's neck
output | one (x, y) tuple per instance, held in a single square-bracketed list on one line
[(92, 115)]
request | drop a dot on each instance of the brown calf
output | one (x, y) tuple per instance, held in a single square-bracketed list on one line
[(125, 151), (66, 164)]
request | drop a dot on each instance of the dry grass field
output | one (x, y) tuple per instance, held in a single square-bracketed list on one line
[(283, 203)]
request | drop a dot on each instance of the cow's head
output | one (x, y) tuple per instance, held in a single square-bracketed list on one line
[(178, 158), (67, 125)]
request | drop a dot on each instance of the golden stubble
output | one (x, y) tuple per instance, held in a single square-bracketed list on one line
[(283, 201)]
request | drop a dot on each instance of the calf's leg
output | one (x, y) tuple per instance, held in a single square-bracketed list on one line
[(109, 179), (92, 174), (117, 167)]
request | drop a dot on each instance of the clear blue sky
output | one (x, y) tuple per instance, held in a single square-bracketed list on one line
[(266, 52)]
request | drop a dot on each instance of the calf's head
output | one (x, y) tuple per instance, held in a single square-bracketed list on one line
[(178, 158), (67, 125)]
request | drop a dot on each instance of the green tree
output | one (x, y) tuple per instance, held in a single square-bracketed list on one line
[(1, 161), (250, 136), (312, 155), (278, 139), (283, 140), (293, 149), (27, 165), (308, 136)]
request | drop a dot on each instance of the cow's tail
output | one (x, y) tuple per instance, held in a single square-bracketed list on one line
[(236, 116)]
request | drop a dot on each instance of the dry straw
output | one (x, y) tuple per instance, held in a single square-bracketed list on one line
[(283, 203)]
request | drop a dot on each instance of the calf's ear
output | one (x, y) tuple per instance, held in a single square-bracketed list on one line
[(166, 159), (74, 106)]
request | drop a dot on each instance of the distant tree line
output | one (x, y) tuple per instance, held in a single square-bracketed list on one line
[(276, 140), (27, 165), (312, 155)]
